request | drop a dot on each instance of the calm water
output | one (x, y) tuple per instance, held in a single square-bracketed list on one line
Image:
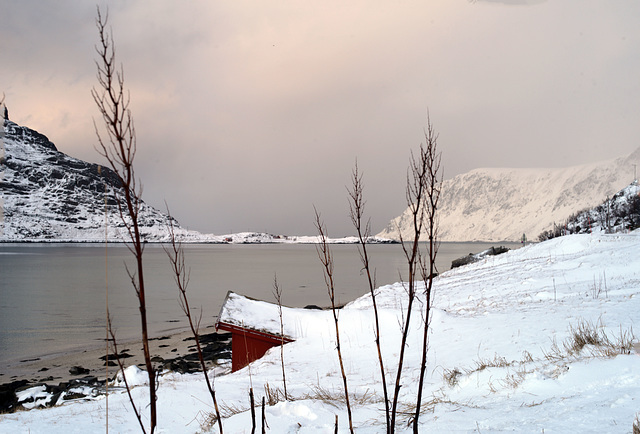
[(52, 296)]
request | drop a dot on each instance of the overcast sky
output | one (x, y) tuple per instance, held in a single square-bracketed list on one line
[(249, 113)]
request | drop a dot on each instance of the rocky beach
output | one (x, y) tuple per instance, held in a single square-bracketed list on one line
[(63, 375)]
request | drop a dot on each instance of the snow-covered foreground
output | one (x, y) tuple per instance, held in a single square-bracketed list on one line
[(497, 360)]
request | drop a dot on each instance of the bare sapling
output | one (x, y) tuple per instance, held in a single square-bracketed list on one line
[(327, 262), (415, 195), (431, 161), (356, 207), (253, 411), (119, 149), (277, 293), (264, 418), (124, 377), (181, 275)]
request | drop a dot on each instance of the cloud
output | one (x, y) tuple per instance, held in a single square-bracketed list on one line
[(249, 113), (511, 2)]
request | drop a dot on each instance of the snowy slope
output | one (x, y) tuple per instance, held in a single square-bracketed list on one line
[(502, 204), (619, 213), (49, 195), (497, 357)]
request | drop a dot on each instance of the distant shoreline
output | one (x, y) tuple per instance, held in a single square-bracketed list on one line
[(225, 239)]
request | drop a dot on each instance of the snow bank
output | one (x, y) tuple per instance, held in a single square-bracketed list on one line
[(496, 357)]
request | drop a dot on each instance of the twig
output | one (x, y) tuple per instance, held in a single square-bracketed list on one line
[(327, 261), (356, 206), (181, 276), (119, 151)]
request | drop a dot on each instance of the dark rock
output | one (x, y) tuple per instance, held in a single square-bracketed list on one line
[(73, 395), (78, 370), (122, 355), (182, 366), (471, 258), (54, 399), (88, 380), (8, 400)]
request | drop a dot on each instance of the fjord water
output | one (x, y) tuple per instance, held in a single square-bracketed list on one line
[(53, 296)]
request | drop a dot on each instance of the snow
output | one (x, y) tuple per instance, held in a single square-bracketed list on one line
[(499, 356), (264, 316), (501, 204), (134, 376)]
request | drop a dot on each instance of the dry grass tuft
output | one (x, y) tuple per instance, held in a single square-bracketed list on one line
[(226, 410), (327, 396), (601, 345), (451, 376), (408, 410), (496, 362), (513, 380), (336, 398), (587, 335), (273, 395)]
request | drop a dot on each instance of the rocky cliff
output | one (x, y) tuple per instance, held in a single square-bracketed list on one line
[(50, 196)]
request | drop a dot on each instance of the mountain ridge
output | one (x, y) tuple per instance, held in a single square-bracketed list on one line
[(50, 196), (502, 204)]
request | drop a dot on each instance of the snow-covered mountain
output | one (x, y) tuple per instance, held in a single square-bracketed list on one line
[(50, 196), (503, 204)]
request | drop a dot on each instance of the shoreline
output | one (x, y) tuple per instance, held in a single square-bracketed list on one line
[(174, 352)]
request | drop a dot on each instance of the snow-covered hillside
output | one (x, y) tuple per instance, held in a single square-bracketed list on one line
[(619, 213), (502, 204), (504, 356), (50, 196)]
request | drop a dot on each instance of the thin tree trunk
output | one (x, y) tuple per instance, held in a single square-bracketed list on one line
[(277, 293), (181, 277), (253, 411), (415, 199), (433, 182), (356, 212), (327, 261), (120, 151)]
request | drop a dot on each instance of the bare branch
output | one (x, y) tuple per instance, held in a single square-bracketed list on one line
[(277, 293), (119, 151), (433, 182), (356, 207), (416, 192), (124, 377), (181, 275), (324, 253)]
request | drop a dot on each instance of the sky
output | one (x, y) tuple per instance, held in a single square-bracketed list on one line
[(248, 114)]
